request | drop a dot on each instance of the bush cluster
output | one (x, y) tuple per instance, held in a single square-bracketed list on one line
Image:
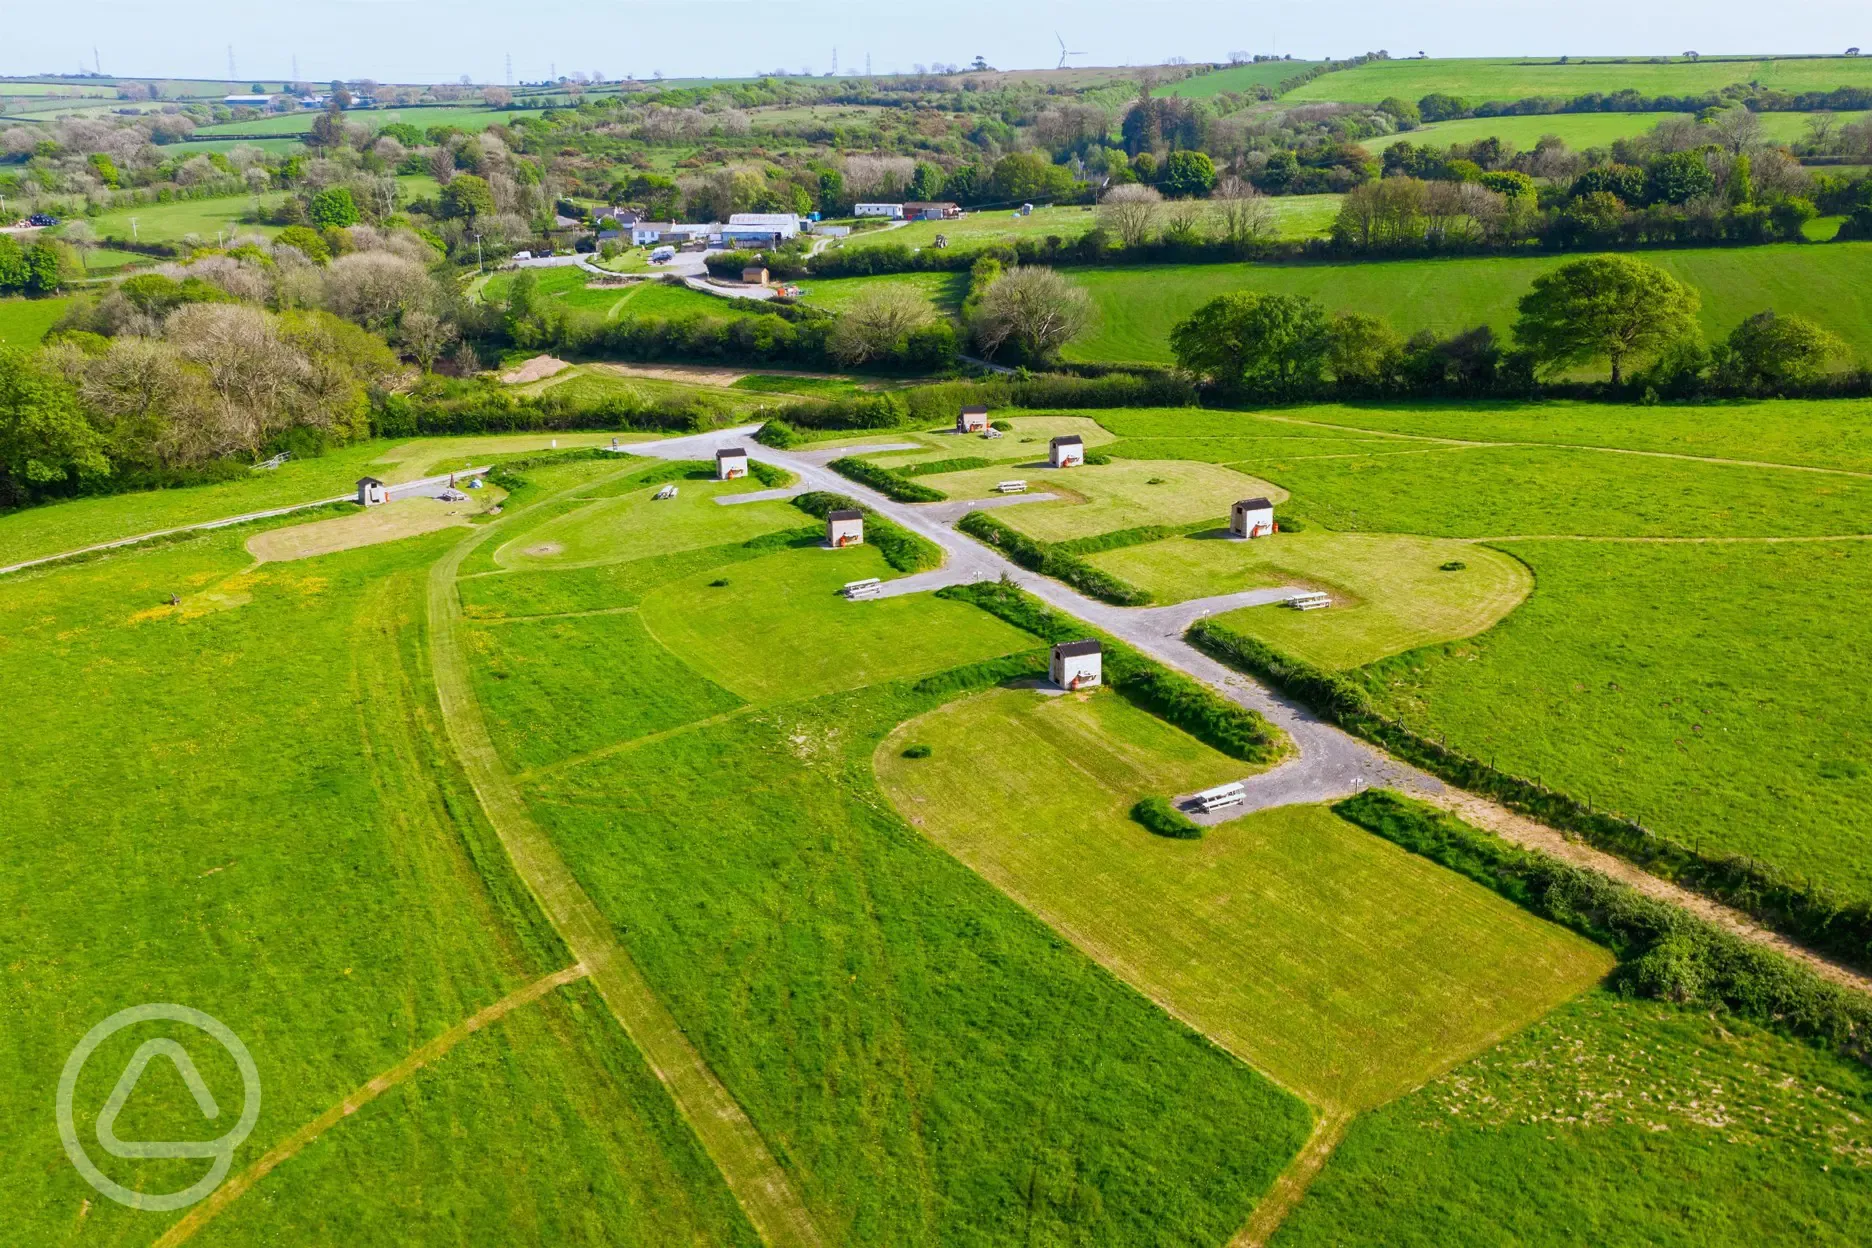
[(1837, 926), (440, 406), (1157, 814), (1664, 951)]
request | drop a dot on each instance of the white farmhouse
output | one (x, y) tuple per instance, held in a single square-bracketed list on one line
[(730, 463), (844, 528), (1252, 517), (1078, 664), (1067, 451), (370, 492), (972, 420)]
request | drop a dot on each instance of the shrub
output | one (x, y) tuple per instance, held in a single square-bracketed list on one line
[(884, 481), (777, 434), (1157, 814), (917, 751), (1454, 565)]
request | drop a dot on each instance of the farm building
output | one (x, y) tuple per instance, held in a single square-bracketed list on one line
[(938, 211), (1066, 451), (1252, 517), (893, 212), (1078, 664), (844, 528), (730, 463), (247, 101), (754, 275), (760, 227), (644, 233), (370, 492), (972, 420)]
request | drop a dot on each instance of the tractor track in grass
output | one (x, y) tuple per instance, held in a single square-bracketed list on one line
[(1328, 1129), (298, 1141), (726, 1134)]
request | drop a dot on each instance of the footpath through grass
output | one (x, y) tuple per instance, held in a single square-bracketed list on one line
[(1341, 965)]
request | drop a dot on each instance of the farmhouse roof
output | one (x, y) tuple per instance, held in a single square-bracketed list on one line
[(845, 513), (1073, 649), (1254, 504), (1068, 439)]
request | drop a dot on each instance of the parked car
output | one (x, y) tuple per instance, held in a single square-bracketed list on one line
[(662, 255), (42, 218)]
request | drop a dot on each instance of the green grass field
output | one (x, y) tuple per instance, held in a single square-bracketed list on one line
[(1580, 130), (1482, 79), (1344, 967), (1295, 216), (1389, 591), (1235, 78), (23, 322), (471, 118), (1139, 306), (569, 286), (1102, 498), (204, 218), (636, 524), (336, 903), (1628, 1124)]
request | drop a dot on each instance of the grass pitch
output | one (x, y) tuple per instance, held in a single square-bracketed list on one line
[(638, 524), (1390, 592), (1344, 967), (1102, 498), (1615, 1122), (23, 322)]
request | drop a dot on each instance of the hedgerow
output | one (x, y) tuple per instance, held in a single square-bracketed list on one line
[(1157, 814), (1664, 951), (1050, 560), (886, 482), (1815, 916)]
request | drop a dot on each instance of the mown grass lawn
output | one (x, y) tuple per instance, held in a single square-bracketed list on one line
[(1344, 967), (779, 628), (228, 216), (243, 805), (1138, 306), (1389, 591), (1614, 1122), (23, 322), (1716, 692), (1101, 498), (637, 524)]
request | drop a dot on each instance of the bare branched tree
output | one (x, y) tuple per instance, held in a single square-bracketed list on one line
[(1035, 309), (1243, 213), (877, 322), (1130, 212)]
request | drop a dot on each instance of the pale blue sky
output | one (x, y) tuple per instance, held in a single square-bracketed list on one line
[(430, 40)]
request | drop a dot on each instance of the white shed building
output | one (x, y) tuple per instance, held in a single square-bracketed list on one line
[(844, 528), (730, 463), (370, 492), (1078, 664), (1252, 517), (893, 212), (972, 420), (1067, 451), (762, 226)]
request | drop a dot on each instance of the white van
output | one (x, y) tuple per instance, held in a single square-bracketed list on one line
[(523, 255)]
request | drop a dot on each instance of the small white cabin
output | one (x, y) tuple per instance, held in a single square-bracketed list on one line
[(1252, 517), (1067, 451), (844, 528), (1078, 664), (972, 420), (1222, 795), (730, 463), (370, 492)]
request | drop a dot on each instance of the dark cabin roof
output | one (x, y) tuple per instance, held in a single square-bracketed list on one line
[(732, 452), (845, 514), (1073, 649), (1069, 439), (369, 481), (1255, 504), (974, 409)]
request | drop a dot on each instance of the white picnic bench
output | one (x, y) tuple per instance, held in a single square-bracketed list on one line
[(668, 491), (1309, 601), (1011, 487), (1222, 795), (870, 587), (991, 432)]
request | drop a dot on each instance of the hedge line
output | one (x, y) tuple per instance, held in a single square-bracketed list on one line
[(930, 468), (1050, 560), (1138, 536), (886, 482), (1815, 916), (1664, 951), (1173, 697), (489, 410), (902, 549), (1157, 814)]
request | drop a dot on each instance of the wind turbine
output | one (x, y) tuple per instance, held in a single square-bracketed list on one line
[(1063, 52)]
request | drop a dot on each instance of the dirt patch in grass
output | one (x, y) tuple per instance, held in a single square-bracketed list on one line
[(406, 517), (538, 368), (700, 374)]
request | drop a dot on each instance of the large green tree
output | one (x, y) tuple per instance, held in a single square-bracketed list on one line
[(1603, 307), (1188, 174), (467, 196), (1243, 340), (44, 437), (1773, 350), (333, 206)]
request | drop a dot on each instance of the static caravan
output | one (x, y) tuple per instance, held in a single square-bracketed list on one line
[(1067, 451), (844, 528), (1078, 664), (730, 463), (1252, 517), (891, 212), (972, 420)]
